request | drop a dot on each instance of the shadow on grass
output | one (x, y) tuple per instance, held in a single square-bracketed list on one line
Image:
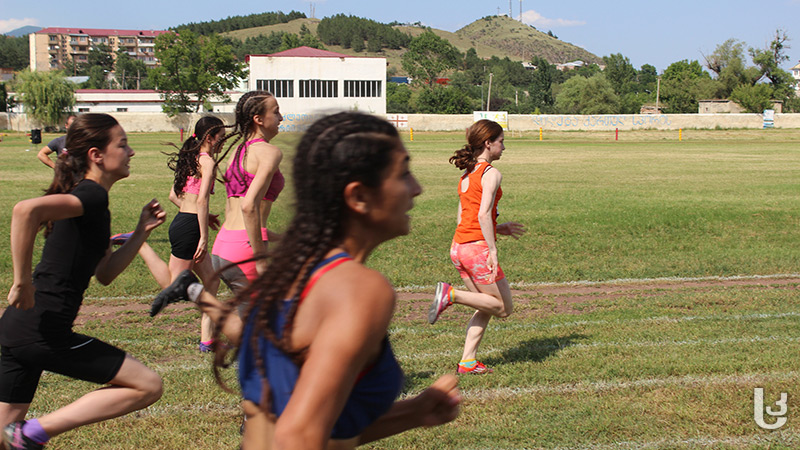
[(535, 350)]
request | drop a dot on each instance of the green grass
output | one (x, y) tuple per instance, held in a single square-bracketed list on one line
[(647, 366)]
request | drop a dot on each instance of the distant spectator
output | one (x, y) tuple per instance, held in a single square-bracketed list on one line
[(57, 145)]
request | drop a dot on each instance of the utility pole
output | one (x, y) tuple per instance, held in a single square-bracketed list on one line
[(658, 93), (489, 95), (520, 11), (510, 12)]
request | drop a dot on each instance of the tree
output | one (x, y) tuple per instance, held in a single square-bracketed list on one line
[(47, 96), (541, 88), (289, 41), (684, 83), (443, 100), (581, 95), (430, 56), (131, 73), (620, 73), (201, 66), (754, 99), (768, 60), (398, 97), (14, 52)]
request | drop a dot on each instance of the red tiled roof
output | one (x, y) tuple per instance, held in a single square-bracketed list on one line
[(101, 32), (112, 91), (306, 52)]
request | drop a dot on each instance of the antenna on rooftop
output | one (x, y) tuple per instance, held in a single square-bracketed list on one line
[(510, 12), (520, 10), (312, 10)]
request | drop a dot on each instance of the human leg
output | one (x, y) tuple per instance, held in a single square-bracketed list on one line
[(208, 276), (134, 387), (157, 266)]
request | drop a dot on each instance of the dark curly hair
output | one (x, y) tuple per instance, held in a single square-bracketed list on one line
[(184, 161), (335, 151), (477, 134)]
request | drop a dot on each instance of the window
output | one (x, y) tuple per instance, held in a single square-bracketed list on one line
[(278, 88), (122, 109), (319, 88), (362, 88), (83, 110), (53, 38)]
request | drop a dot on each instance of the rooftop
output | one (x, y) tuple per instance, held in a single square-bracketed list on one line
[(101, 32)]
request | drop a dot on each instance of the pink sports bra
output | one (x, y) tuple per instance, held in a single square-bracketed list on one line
[(238, 181), (192, 185)]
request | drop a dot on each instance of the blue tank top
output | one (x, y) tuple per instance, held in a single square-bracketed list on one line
[(375, 390)]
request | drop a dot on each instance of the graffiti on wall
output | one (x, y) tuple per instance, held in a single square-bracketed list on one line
[(298, 122), (602, 121)]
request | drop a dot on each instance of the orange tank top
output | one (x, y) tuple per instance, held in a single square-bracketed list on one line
[(469, 229)]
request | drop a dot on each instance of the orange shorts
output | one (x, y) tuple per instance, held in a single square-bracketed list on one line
[(470, 261)]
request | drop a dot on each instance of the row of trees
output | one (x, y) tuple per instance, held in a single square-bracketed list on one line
[(353, 32), (14, 52), (618, 89), (276, 41), (240, 22)]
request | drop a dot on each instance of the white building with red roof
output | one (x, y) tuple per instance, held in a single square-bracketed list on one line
[(51, 48), (308, 82)]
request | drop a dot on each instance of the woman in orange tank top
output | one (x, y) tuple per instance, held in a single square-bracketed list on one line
[(474, 249)]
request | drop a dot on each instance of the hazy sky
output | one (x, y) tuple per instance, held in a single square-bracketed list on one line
[(647, 32)]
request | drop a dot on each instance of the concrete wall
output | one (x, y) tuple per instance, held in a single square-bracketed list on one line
[(150, 122)]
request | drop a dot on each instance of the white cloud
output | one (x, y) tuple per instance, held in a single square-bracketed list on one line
[(532, 17), (7, 25)]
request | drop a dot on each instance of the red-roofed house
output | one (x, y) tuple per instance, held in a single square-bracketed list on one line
[(308, 82), (51, 47)]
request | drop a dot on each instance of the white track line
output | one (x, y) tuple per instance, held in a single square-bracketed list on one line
[(595, 345)]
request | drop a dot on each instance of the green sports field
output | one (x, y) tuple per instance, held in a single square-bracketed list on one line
[(656, 288)]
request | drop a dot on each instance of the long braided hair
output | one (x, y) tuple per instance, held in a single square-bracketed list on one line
[(87, 131), (251, 104), (477, 134), (336, 150), (184, 161)]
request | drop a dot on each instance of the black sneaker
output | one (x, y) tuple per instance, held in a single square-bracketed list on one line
[(173, 293), (15, 440)]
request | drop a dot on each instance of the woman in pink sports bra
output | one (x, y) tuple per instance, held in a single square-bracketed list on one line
[(195, 170), (252, 181)]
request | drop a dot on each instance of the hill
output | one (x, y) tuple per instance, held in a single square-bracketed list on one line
[(498, 36), (23, 31)]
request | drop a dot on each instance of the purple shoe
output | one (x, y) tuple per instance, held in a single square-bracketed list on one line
[(205, 348), (15, 440), (121, 238)]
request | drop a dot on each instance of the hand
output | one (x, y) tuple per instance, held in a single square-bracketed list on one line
[(491, 263), (202, 250), (213, 221), (512, 229), (439, 403), (152, 216), (21, 296), (261, 265)]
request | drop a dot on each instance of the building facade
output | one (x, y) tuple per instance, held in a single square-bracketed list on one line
[(796, 75), (51, 48), (308, 82)]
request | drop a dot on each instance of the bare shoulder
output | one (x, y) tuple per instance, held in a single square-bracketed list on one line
[(356, 290), (265, 150)]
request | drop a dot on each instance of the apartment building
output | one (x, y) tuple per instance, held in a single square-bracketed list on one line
[(51, 47)]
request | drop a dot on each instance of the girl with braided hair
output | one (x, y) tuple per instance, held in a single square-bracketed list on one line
[(195, 171), (474, 247), (315, 365), (253, 182), (36, 329)]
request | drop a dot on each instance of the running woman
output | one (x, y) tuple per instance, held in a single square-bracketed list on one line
[(36, 329), (474, 249), (253, 182), (315, 365), (195, 171)]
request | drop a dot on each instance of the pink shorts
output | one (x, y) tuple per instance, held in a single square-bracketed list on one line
[(233, 246), (470, 261)]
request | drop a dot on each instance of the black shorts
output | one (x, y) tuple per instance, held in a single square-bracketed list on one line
[(80, 357), (184, 234)]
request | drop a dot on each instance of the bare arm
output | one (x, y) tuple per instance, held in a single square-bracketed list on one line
[(436, 405), (173, 197), (115, 262), (44, 157), (207, 171), (26, 219)]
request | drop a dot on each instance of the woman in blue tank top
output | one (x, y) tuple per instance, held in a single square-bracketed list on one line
[(315, 364)]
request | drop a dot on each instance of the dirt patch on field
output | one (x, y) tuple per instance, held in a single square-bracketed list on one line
[(560, 299)]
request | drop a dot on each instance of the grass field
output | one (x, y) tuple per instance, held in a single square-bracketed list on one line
[(656, 288)]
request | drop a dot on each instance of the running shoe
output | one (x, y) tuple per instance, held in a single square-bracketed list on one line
[(173, 293), (205, 348), (121, 238), (15, 440), (441, 300), (478, 369)]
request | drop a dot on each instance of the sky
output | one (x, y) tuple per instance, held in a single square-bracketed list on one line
[(647, 32)]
